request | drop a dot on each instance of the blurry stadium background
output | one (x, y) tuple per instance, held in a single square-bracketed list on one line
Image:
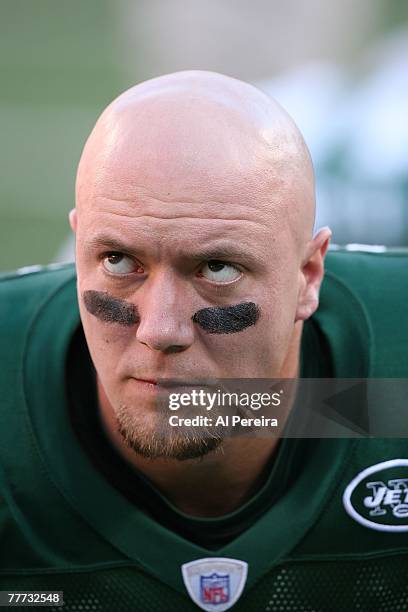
[(340, 69)]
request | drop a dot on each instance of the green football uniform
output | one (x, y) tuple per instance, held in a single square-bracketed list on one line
[(327, 530)]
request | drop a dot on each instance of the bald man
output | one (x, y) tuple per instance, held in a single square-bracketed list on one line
[(182, 186), (196, 262)]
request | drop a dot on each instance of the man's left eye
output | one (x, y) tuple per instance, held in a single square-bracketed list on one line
[(219, 271), (117, 263)]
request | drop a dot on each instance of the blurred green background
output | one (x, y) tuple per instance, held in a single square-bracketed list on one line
[(58, 71), (62, 62)]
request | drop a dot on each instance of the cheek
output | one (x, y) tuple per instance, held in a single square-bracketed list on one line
[(110, 346), (255, 352), (107, 344), (107, 319), (260, 350)]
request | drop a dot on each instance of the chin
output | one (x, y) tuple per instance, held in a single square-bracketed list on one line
[(150, 435)]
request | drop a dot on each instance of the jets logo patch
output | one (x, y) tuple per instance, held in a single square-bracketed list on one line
[(378, 496), (215, 583)]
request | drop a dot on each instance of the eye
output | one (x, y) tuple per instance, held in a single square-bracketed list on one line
[(118, 263), (219, 271)]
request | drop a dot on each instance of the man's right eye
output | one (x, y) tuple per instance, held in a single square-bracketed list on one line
[(118, 263)]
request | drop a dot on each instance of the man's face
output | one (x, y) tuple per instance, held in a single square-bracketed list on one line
[(158, 243)]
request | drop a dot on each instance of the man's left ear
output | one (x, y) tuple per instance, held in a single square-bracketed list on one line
[(312, 274)]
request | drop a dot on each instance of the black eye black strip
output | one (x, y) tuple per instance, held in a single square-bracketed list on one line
[(213, 320), (227, 319), (110, 309)]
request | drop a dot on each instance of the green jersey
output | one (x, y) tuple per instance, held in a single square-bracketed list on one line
[(328, 530)]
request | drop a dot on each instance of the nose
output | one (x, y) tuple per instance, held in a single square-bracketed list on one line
[(165, 322)]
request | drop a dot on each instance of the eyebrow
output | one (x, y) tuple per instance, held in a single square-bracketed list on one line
[(206, 253), (107, 242), (219, 252)]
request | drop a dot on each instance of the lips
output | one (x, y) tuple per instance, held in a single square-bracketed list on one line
[(175, 382), (147, 380), (167, 382), (179, 380)]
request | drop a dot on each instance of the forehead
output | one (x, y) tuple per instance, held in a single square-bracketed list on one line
[(225, 214), (175, 229)]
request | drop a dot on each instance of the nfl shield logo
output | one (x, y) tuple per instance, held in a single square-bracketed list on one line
[(214, 589), (215, 583)]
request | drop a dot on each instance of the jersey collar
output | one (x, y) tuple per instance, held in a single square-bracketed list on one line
[(345, 325)]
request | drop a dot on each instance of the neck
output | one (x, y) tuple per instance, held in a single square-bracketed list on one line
[(219, 482)]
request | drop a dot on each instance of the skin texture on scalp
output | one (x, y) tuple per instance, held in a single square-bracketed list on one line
[(244, 137), (178, 171)]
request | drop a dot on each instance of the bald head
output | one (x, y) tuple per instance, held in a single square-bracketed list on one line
[(194, 135)]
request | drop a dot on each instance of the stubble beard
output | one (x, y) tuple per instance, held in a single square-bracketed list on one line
[(152, 437)]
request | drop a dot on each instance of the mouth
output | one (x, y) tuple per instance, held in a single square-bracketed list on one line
[(149, 381), (166, 382), (172, 383)]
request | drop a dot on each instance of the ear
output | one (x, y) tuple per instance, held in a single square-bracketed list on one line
[(73, 219), (312, 273)]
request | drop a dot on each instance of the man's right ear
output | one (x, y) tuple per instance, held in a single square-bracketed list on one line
[(73, 219)]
